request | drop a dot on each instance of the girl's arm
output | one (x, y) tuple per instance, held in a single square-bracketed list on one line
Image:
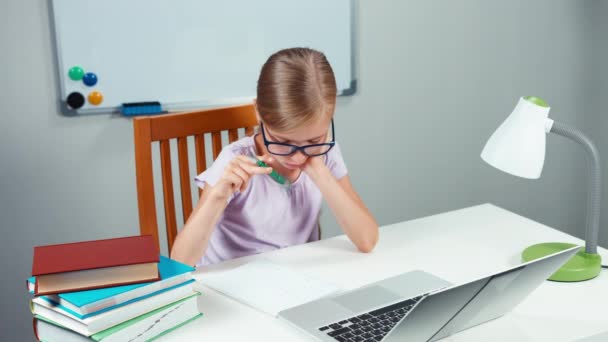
[(191, 242), (350, 211)]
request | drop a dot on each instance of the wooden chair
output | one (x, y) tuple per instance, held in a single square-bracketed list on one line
[(180, 126)]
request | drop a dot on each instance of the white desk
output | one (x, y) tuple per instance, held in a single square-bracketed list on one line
[(457, 246)]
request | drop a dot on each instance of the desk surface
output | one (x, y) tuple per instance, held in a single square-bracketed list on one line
[(458, 246)]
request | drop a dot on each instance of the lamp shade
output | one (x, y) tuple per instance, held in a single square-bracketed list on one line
[(518, 145)]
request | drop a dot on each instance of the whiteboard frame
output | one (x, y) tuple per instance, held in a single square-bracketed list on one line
[(176, 107)]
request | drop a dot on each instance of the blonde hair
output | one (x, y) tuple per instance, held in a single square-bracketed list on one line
[(295, 86)]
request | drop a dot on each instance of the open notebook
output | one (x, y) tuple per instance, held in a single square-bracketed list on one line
[(267, 286)]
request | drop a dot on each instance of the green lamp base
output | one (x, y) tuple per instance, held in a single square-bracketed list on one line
[(582, 266)]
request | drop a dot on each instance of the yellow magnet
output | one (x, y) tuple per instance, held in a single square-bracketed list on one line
[(95, 98)]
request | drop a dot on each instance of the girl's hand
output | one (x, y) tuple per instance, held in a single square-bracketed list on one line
[(314, 167), (237, 174)]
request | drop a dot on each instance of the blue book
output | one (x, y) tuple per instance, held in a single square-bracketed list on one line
[(83, 304)]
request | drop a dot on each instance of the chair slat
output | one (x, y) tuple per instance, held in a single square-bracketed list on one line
[(216, 143), (201, 156), (233, 135), (170, 221), (148, 224), (248, 131), (184, 177)]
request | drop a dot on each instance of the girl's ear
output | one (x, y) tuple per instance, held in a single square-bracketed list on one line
[(257, 114)]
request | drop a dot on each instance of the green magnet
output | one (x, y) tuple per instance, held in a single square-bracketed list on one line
[(76, 73)]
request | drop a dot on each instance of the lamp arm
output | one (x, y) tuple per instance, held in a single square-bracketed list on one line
[(594, 183)]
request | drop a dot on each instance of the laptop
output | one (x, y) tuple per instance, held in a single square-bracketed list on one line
[(418, 306)]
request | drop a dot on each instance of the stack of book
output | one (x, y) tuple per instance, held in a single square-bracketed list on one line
[(109, 290)]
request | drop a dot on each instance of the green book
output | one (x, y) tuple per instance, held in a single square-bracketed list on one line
[(148, 326)]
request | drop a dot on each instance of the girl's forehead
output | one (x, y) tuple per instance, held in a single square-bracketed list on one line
[(307, 131)]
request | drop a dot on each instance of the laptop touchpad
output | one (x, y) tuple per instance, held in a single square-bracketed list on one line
[(366, 299)]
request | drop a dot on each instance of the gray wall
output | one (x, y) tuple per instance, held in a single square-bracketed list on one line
[(436, 78), (596, 110)]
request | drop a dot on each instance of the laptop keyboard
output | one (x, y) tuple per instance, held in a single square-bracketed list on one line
[(372, 326)]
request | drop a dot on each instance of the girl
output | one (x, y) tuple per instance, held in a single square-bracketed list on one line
[(242, 210)]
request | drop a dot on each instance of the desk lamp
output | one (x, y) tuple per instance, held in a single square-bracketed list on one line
[(518, 147)]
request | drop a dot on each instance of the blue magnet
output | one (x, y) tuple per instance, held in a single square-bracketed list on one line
[(90, 79)]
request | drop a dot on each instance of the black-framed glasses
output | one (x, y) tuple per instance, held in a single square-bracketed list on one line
[(282, 149)]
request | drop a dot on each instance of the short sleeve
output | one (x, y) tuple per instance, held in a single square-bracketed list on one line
[(215, 171), (335, 162)]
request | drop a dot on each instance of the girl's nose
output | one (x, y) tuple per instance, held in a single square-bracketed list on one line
[(298, 157)]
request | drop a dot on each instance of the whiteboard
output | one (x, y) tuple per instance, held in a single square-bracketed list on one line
[(192, 53)]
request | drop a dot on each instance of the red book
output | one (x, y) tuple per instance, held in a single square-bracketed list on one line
[(94, 264)]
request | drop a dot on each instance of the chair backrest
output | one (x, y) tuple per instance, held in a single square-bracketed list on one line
[(180, 126)]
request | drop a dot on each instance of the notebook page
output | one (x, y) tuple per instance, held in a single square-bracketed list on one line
[(267, 286)]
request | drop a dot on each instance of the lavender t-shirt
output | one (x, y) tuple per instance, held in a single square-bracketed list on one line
[(265, 216)]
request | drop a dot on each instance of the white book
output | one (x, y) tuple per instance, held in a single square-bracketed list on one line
[(267, 286), (142, 328), (97, 323)]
